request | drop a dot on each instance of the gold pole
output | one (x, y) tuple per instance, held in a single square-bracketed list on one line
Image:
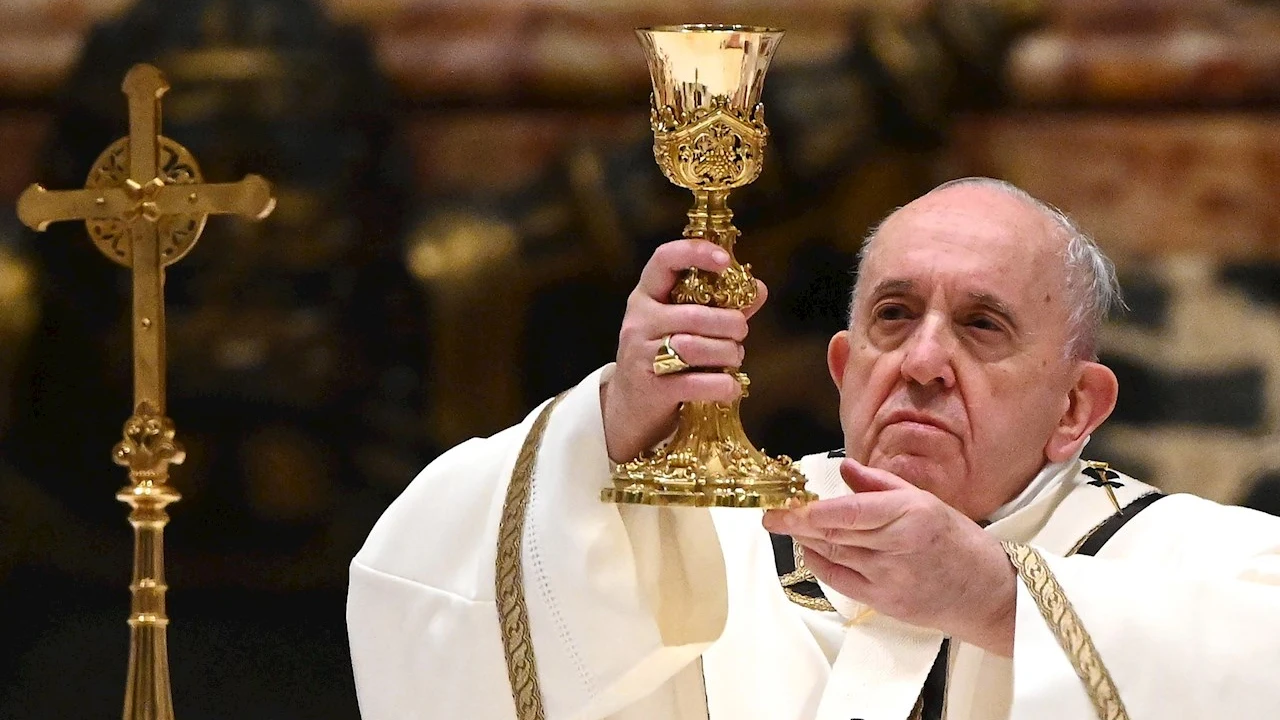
[(148, 442), (145, 206)]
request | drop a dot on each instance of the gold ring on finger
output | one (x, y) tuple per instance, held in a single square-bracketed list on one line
[(668, 361)]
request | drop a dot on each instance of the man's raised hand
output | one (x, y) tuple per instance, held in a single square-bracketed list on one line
[(639, 407)]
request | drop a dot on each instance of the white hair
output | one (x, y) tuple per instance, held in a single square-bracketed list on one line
[(1092, 288)]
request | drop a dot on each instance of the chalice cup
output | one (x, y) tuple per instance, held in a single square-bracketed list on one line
[(709, 136)]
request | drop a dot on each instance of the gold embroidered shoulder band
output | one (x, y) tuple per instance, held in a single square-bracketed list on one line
[(513, 613), (1068, 629)]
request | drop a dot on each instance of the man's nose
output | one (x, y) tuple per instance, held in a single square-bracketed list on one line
[(929, 352)]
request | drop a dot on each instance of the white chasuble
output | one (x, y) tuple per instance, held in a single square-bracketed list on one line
[(498, 586)]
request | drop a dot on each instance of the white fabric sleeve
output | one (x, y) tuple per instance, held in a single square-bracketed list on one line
[(619, 599), (1186, 619), (421, 619)]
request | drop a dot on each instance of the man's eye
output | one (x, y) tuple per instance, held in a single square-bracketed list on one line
[(982, 322), (891, 312)]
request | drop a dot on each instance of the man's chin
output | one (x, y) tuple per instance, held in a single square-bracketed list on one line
[(926, 473)]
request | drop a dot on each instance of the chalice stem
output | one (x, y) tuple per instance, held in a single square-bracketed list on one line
[(711, 219)]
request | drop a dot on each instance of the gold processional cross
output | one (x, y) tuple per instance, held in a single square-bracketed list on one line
[(145, 206)]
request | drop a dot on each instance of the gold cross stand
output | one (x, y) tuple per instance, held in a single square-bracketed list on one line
[(145, 206)]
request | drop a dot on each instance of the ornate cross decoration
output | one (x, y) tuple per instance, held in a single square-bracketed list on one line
[(145, 205), (1105, 478)]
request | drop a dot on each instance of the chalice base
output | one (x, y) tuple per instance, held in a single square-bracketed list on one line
[(708, 463)]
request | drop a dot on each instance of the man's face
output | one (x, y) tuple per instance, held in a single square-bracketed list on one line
[(954, 373)]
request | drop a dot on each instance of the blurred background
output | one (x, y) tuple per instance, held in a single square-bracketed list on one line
[(466, 195)]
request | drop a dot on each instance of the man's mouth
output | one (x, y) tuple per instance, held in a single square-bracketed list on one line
[(923, 421)]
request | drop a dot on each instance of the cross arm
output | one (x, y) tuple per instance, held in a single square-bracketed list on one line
[(250, 198), (38, 207)]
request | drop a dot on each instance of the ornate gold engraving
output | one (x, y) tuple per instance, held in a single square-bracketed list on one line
[(144, 206), (734, 288), (709, 463), (177, 233), (709, 137), (513, 613), (716, 147), (1067, 628), (149, 446)]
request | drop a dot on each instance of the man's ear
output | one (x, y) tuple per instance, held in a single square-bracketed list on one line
[(1089, 402), (837, 356)]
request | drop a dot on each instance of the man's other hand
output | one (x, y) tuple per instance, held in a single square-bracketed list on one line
[(907, 554), (639, 407)]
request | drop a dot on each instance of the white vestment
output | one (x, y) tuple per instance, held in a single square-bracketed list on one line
[(677, 614)]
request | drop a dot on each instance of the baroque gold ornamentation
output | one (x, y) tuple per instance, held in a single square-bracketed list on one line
[(667, 119), (1068, 629), (513, 612), (709, 136), (148, 447), (716, 147), (708, 463), (734, 288)]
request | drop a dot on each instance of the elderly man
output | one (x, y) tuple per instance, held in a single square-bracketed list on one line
[(963, 561)]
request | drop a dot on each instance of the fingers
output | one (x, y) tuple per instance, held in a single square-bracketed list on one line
[(639, 410), (670, 260), (785, 522), (852, 583), (869, 539), (880, 498), (638, 405), (762, 294), (861, 559), (694, 320), (864, 511), (707, 352), (697, 387), (856, 516), (650, 313)]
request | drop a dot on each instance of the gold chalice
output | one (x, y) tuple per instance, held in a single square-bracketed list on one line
[(709, 137)]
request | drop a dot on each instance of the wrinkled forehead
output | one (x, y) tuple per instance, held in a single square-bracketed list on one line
[(980, 240)]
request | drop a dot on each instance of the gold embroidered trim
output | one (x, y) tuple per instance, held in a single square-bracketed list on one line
[(805, 601), (799, 575), (513, 613), (795, 577), (1068, 629)]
